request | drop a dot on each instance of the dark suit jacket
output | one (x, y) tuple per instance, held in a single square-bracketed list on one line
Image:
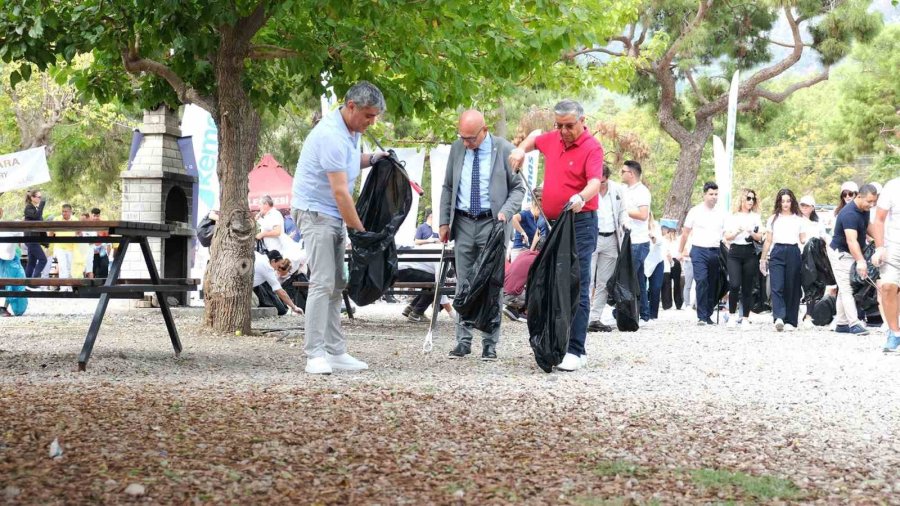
[(506, 189)]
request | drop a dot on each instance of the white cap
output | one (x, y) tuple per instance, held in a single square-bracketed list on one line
[(849, 186), (808, 200)]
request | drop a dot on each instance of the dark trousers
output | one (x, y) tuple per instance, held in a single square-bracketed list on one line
[(639, 253), (706, 274), (672, 289), (585, 243), (101, 265), (784, 277), (654, 291), (37, 260), (296, 293), (423, 300), (268, 298), (743, 267)]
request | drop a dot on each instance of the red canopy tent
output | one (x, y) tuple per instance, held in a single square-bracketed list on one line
[(270, 178)]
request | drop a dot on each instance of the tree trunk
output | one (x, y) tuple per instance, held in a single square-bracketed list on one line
[(229, 276), (679, 201)]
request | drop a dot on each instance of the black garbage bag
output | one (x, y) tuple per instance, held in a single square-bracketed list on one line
[(816, 272), (553, 294), (722, 281), (824, 310), (624, 290), (478, 301), (761, 303), (205, 231), (383, 204)]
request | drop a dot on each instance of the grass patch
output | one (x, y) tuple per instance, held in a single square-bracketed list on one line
[(758, 487), (617, 468)]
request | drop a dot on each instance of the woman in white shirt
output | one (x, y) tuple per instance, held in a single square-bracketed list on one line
[(814, 227), (781, 259), (741, 229), (271, 225)]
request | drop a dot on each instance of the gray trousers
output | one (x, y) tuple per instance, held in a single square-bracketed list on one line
[(324, 237), (603, 264), (470, 237)]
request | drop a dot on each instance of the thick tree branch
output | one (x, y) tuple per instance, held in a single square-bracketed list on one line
[(690, 77), (186, 94), (749, 87), (781, 96), (245, 29), (269, 52)]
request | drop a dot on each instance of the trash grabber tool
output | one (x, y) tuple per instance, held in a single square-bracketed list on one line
[(428, 344)]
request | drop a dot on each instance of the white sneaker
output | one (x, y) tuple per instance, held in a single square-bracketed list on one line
[(732, 322), (317, 365), (570, 363), (345, 362), (779, 324), (746, 324), (789, 328)]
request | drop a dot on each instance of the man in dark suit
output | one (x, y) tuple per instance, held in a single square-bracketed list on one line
[(479, 190)]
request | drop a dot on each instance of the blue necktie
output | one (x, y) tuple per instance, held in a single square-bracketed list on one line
[(475, 198)]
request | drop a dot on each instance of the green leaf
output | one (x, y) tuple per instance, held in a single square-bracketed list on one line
[(14, 78)]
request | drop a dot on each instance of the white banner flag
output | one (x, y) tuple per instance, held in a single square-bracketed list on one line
[(199, 125), (530, 171), (23, 169), (415, 164), (438, 158)]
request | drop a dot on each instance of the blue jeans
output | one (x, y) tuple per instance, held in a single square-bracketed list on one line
[(639, 253), (706, 275), (655, 290), (36, 260), (585, 243)]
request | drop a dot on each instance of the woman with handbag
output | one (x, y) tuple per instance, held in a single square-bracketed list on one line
[(741, 230)]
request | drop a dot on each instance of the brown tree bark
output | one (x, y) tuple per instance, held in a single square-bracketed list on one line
[(678, 202), (229, 276)]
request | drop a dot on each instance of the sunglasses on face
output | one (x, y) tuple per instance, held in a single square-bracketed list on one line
[(565, 126), (851, 194), (751, 198)]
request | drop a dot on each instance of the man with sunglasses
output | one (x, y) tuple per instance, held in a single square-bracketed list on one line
[(573, 169), (479, 190)]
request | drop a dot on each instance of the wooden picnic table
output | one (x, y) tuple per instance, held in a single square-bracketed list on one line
[(122, 233)]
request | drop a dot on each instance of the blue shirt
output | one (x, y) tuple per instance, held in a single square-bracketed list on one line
[(330, 147), (850, 218), (464, 192), (530, 225), (425, 232)]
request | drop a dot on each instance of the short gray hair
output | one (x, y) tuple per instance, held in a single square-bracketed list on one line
[(267, 200), (365, 94), (568, 107)]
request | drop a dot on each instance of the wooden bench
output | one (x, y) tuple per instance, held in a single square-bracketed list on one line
[(123, 233), (408, 287)]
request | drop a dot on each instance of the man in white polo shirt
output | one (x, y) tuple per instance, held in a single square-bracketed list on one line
[(637, 210), (322, 205), (886, 231), (707, 224)]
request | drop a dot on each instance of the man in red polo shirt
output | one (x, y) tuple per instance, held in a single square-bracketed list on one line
[(573, 167)]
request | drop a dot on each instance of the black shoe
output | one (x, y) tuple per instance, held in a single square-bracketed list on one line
[(416, 317), (390, 299), (596, 326), (460, 351), (488, 353), (708, 321), (407, 310)]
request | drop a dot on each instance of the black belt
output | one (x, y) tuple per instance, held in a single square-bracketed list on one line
[(606, 234), (480, 216), (584, 215)]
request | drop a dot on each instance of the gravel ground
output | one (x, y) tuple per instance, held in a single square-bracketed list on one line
[(671, 414)]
